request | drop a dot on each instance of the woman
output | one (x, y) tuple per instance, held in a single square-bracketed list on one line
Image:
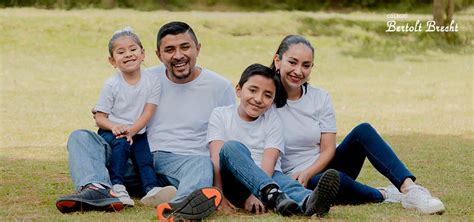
[(310, 140)]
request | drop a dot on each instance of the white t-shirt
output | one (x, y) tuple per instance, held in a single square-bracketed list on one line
[(124, 102), (180, 124), (303, 121), (265, 132)]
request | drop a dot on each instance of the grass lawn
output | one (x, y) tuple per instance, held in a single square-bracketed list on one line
[(54, 63)]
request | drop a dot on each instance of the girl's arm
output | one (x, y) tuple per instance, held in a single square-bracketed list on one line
[(103, 122), (141, 122), (270, 157), (327, 151)]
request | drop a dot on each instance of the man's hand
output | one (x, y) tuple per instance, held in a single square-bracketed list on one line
[(227, 207), (252, 204)]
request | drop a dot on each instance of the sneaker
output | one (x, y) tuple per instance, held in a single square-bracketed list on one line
[(279, 202), (393, 195), (420, 198), (158, 195), (319, 202), (90, 197), (198, 205), (122, 194)]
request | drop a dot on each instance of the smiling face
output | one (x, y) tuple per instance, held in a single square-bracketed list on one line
[(295, 66), (179, 53), (256, 96), (127, 55)]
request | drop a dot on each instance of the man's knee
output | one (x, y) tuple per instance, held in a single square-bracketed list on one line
[(79, 137)]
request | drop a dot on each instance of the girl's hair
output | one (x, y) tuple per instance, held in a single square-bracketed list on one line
[(259, 69), (128, 31), (285, 44)]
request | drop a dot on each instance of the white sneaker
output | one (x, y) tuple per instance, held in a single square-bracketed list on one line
[(420, 198), (158, 195), (122, 194), (392, 194)]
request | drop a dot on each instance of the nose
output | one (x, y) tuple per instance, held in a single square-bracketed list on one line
[(178, 54), (258, 98), (298, 70)]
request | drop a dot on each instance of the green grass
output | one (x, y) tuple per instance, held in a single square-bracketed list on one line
[(53, 65)]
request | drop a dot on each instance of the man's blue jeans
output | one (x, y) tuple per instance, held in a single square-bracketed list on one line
[(242, 177), (361, 143), (89, 154), (138, 152)]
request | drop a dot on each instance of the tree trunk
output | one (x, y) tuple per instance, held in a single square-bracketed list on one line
[(438, 12), (449, 12)]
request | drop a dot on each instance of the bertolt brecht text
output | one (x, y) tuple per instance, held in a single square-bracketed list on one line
[(430, 26)]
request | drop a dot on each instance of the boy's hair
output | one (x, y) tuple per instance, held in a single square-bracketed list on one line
[(128, 31), (174, 28), (285, 44), (259, 69)]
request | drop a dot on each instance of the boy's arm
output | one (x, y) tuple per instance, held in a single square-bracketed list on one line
[(270, 157), (141, 122), (103, 122), (215, 147)]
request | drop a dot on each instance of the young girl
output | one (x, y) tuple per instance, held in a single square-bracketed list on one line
[(310, 140), (245, 142), (127, 102)]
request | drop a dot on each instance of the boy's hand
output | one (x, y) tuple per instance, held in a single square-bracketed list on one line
[(120, 131), (254, 205)]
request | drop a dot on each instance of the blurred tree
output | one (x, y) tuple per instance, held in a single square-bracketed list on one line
[(443, 11)]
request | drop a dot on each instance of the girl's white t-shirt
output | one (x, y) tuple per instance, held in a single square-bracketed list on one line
[(124, 102), (265, 132), (303, 121)]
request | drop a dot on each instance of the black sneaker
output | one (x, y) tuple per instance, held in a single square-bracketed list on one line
[(198, 205), (319, 202), (90, 198), (279, 202)]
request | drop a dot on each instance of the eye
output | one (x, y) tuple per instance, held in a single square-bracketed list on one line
[(292, 62), (185, 47), (269, 96), (252, 90)]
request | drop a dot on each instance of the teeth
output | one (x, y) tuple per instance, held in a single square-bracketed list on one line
[(180, 64)]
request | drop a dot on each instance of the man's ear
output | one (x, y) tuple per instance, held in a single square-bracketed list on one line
[(157, 52), (198, 48)]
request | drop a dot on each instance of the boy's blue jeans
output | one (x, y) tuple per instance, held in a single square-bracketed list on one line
[(138, 152), (361, 143), (242, 177)]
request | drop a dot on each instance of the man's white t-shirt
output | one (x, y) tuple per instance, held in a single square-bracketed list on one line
[(124, 102), (265, 132), (180, 123), (303, 121)]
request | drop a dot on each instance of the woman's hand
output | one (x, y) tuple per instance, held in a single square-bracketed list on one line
[(302, 177), (226, 206), (252, 204)]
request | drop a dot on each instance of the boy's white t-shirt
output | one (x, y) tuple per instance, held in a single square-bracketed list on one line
[(124, 102), (303, 121), (180, 123), (265, 132)]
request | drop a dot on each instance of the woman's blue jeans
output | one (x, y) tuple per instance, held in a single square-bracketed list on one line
[(242, 177), (361, 143)]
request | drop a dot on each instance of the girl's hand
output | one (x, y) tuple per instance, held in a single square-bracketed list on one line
[(252, 204), (120, 131), (226, 206)]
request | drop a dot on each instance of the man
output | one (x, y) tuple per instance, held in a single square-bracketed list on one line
[(176, 135)]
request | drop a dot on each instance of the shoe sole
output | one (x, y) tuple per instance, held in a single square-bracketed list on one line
[(73, 205), (433, 210), (324, 194), (163, 196), (289, 209), (198, 205)]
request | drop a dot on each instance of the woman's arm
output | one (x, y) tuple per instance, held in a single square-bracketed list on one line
[(327, 151), (270, 157)]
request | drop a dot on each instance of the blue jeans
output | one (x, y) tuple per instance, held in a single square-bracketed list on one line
[(361, 143), (89, 154), (138, 152), (242, 177)]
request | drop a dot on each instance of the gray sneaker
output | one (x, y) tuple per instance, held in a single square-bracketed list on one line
[(393, 195), (158, 195), (122, 194), (420, 198)]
